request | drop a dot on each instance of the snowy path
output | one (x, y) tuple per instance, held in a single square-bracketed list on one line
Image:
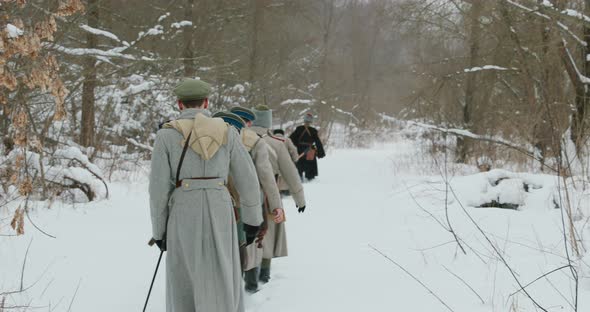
[(101, 251), (331, 267)]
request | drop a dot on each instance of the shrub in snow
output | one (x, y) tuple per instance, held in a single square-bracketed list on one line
[(79, 174), (67, 174), (484, 163)]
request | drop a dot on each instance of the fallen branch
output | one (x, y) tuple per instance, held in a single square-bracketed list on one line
[(96, 175), (471, 135), (484, 138)]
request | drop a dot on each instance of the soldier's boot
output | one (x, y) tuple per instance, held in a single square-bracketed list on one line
[(251, 279), (265, 271)]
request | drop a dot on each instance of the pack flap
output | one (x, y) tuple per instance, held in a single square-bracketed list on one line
[(208, 134)]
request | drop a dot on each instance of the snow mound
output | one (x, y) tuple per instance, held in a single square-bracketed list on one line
[(505, 189)]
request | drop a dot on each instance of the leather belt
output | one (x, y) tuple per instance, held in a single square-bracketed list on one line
[(179, 182)]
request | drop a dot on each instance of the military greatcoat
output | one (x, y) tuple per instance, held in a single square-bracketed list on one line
[(203, 271), (275, 241)]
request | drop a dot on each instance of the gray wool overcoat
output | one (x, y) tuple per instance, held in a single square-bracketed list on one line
[(275, 240), (260, 152), (203, 271)]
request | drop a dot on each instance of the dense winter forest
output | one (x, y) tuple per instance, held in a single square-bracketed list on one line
[(491, 84), (95, 76)]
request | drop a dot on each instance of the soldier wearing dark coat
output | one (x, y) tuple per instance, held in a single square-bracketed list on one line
[(310, 148)]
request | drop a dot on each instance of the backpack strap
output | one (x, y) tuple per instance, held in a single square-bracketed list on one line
[(306, 129)]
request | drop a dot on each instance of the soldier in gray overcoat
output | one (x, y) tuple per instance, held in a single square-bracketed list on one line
[(191, 209), (272, 204), (275, 241), (280, 133)]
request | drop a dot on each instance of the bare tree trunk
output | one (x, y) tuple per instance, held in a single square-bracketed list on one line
[(258, 15), (379, 8), (579, 119), (471, 79), (579, 125), (325, 104), (88, 97), (357, 49), (188, 36), (546, 131)]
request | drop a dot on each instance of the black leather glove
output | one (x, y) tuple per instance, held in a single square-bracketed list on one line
[(251, 233), (301, 209), (161, 244)]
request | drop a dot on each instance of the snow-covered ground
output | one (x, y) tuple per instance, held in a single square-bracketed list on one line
[(364, 201)]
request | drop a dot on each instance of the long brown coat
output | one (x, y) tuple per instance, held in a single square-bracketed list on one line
[(260, 152), (275, 241), (290, 147), (294, 156)]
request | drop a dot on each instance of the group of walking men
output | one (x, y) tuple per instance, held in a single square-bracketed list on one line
[(215, 202)]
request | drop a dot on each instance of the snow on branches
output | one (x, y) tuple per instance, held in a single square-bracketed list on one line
[(27, 68), (486, 67), (68, 170), (100, 32)]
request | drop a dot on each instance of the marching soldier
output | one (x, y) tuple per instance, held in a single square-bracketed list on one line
[(191, 210), (259, 150), (280, 133), (309, 147), (275, 241)]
